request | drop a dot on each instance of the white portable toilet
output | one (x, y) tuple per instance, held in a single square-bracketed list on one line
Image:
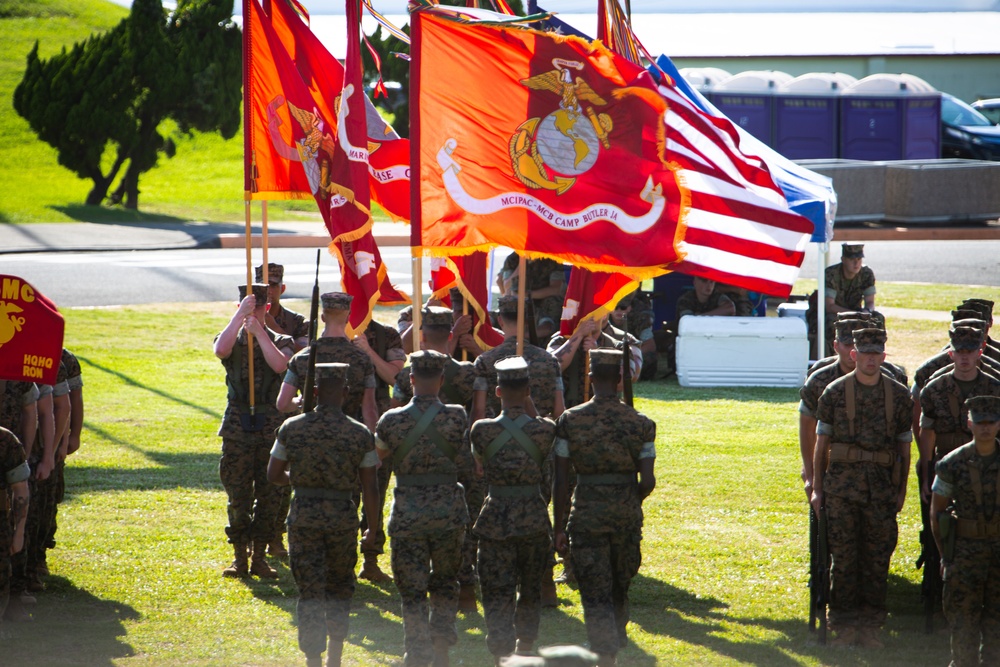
[(704, 79), (747, 99)]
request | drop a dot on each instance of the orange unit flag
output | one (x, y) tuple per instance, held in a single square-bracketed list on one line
[(556, 146), (31, 333)]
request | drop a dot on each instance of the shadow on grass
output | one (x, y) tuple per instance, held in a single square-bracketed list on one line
[(705, 622), (127, 379), (176, 470), (71, 627), (109, 215)]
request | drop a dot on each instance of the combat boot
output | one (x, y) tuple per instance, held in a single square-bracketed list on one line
[(607, 660), (567, 576), (868, 637), (524, 647), (845, 637), (259, 566), (372, 572), (315, 660), (276, 547), (467, 599), (239, 567), (441, 658), (334, 652)]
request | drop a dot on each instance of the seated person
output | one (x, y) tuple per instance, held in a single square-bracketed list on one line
[(704, 299), (850, 286)]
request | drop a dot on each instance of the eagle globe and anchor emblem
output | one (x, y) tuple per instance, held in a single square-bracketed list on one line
[(567, 141)]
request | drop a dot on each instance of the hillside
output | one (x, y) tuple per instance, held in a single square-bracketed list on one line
[(204, 181)]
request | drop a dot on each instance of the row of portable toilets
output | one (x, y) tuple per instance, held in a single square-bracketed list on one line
[(829, 115)]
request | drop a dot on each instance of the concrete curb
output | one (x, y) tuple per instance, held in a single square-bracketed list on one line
[(299, 240)]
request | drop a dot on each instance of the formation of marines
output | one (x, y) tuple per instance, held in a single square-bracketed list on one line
[(40, 425), (857, 422), (473, 448)]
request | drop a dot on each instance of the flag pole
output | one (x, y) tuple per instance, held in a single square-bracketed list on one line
[(418, 301), (249, 292), (521, 279), (263, 237), (465, 312)]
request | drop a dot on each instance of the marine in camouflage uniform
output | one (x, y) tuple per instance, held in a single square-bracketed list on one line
[(849, 286), (968, 480), (546, 282), (608, 443), (570, 352), (19, 414), (859, 475), (513, 526), (247, 438), (319, 454), (704, 299), (333, 347), (985, 309), (284, 321), (897, 373), (384, 348), (14, 473), (428, 517), (634, 315), (459, 378), (546, 380)]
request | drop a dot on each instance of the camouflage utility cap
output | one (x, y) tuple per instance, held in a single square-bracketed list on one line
[(511, 368), (428, 362), (985, 304), (971, 323), (964, 313), (852, 251), (983, 408), (846, 329), (966, 338), (332, 371), (435, 316), (336, 301), (602, 359), (869, 341), (507, 305), (259, 293), (275, 273), (854, 315)]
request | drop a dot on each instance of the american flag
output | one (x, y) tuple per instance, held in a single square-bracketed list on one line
[(739, 229)]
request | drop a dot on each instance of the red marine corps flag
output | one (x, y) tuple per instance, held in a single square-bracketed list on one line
[(555, 146), (31, 333), (592, 295)]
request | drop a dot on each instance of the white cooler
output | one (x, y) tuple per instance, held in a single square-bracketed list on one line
[(741, 351)]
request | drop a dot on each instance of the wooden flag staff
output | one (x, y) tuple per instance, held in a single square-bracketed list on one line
[(465, 312), (418, 301), (521, 279), (249, 292)]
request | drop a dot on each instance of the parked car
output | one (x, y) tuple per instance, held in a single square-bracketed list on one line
[(966, 133), (989, 108)]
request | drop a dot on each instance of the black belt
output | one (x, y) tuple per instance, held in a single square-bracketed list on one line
[(514, 491), (608, 479), (426, 479), (319, 492)]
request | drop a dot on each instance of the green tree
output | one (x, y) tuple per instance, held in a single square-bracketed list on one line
[(109, 95)]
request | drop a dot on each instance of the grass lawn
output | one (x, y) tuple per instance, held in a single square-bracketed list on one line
[(136, 575), (204, 181)]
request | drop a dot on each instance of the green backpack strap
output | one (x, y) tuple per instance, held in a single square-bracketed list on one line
[(424, 426), (514, 429)]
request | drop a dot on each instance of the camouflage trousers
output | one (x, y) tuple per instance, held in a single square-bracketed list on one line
[(510, 572), (384, 474), (604, 564), (972, 602), (475, 494), (6, 536), (421, 567), (323, 566), (253, 501), (40, 530), (862, 538), (284, 504)]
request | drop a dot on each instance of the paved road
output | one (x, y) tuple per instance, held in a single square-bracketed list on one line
[(119, 278)]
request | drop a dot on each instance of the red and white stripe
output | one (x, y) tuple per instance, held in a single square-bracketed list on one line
[(740, 230)]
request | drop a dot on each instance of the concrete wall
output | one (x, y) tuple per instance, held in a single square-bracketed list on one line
[(967, 77)]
